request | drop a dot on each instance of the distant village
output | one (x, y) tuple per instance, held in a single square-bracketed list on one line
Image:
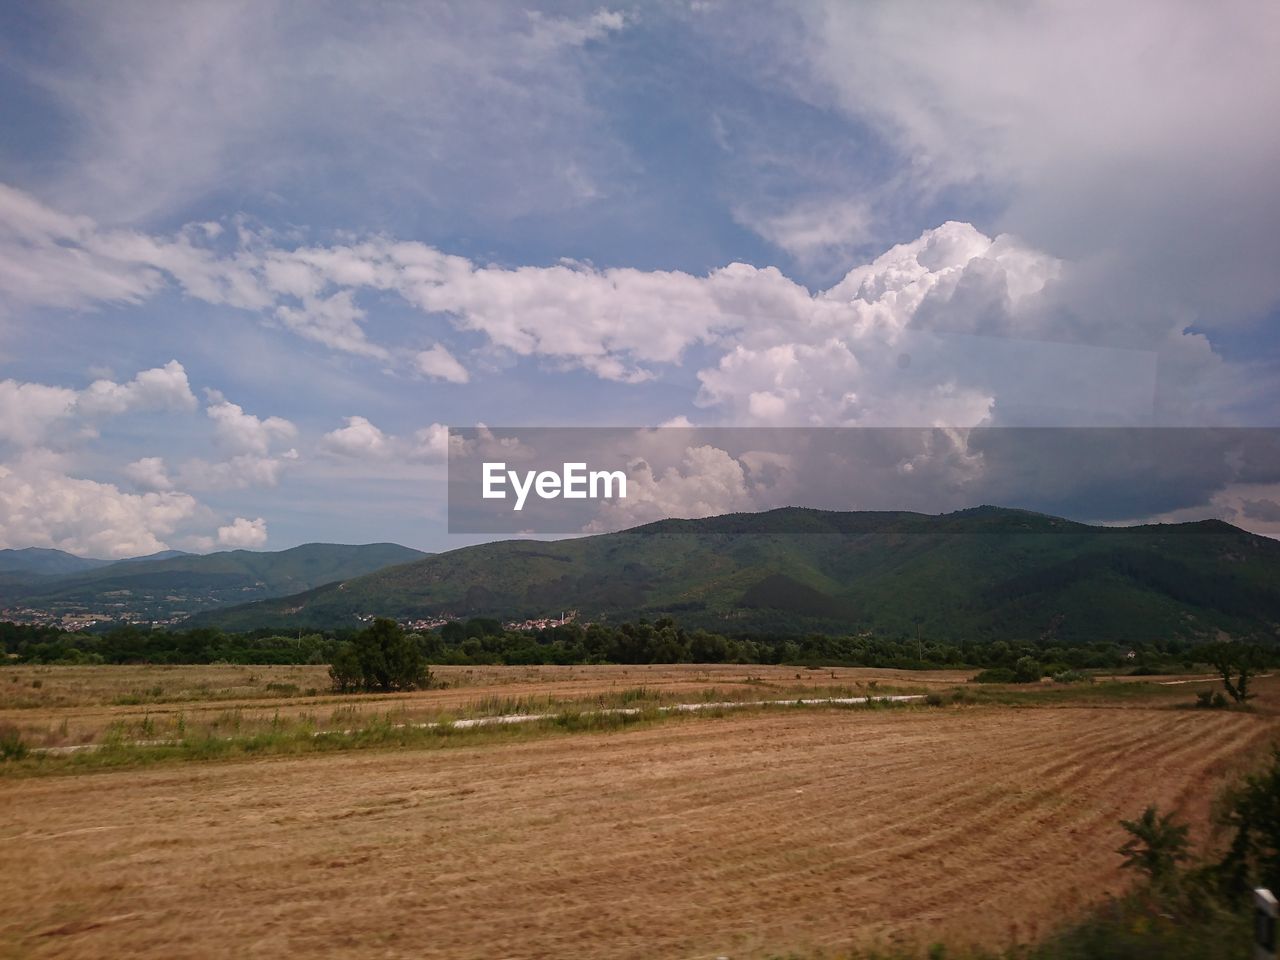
[(85, 620), (435, 623)]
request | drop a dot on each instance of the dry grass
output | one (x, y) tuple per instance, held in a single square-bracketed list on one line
[(742, 836), (78, 705)]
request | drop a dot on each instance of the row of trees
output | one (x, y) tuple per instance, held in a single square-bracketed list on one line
[(484, 641)]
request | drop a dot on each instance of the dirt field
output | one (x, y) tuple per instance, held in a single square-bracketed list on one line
[(741, 836)]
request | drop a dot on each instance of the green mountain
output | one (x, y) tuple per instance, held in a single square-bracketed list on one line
[(44, 562), (982, 573), (177, 584)]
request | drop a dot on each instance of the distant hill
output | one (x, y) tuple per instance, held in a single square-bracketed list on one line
[(173, 583), (44, 562), (988, 572), (161, 555)]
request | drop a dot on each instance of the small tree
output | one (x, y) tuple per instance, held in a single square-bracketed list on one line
[(1156, 844), (382, 658), (345, 669), (1234, 658)]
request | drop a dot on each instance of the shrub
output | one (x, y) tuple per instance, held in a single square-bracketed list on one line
[(1070, 676), (1210, 700), (12, 746), (995, 675), (1253, 813), (1027, 670), (934, 699), (1156, 844)]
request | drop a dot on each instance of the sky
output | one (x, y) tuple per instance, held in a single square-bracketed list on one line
[(256, 258)]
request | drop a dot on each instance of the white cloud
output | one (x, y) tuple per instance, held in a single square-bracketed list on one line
[(42, 506), (359, 439), (45, 259), (30, 411), (243, 534), (431, 443), (163, 388), (438, 362), (149, 473), (333, 321), (707, 483), (785, 354), (362, 440), (246, 433)]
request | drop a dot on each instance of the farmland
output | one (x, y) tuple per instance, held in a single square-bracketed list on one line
[(746, 834)]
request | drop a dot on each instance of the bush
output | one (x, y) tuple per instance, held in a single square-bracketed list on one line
[(934, 699), (12, 746), (1027, 670), (995, 675), (1156, 844), (1210, 700), (1253, 813), (1070, 676)]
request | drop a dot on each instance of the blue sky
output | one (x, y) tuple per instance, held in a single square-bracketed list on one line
[(255, 256)]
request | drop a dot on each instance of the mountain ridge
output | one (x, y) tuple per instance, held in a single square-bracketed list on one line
[(982, 572), (160, 586)]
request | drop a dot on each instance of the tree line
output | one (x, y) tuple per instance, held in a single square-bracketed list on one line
[(484, 641)]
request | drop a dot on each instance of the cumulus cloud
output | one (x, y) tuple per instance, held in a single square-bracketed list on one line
[(163, 388), (41, 506), (149, 473), (707, 482), (30, 411), (431, 443), (246, 433), (359, 439), (243, 534)]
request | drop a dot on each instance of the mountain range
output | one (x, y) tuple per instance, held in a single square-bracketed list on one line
[(171, 585), (986, 572)]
